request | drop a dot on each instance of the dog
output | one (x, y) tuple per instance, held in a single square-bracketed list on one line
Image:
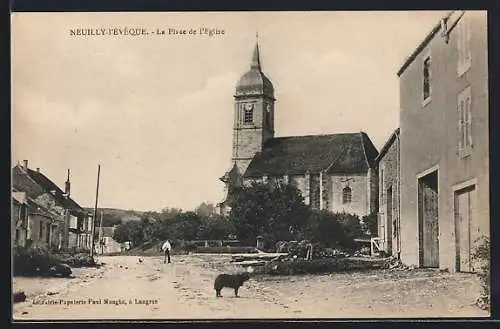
[(234, 281)]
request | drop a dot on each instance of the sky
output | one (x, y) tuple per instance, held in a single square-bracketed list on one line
[(155, 111)]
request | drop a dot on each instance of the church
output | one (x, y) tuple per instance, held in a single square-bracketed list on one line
[(335, 172)]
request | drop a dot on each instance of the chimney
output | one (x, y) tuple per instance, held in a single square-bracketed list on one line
[(67, 189), (25, 164), (37, 169)]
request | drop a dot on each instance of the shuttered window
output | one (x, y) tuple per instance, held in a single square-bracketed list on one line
[(464, 109), (463, 45), (426, 88)]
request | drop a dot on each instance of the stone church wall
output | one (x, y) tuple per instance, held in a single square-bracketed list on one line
[(359, 204)]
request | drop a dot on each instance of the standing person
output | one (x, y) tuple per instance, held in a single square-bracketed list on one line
[(166, 247)]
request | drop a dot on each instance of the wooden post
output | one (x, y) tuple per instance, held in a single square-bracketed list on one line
[(100, 234), (95, 211)]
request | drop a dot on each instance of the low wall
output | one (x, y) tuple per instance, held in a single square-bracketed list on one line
[(327, 265)]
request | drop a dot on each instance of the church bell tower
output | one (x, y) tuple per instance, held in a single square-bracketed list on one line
[(253, 124), (253, 113)]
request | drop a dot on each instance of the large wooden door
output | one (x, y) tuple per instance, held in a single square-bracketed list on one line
[(464, 210), (428, 221)]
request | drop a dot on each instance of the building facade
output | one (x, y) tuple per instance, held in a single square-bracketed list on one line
[(336, 172), (445, 144), (106, 243), (388, 219), (71, 226)]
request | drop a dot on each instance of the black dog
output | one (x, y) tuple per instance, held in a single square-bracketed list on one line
[(234, 281)]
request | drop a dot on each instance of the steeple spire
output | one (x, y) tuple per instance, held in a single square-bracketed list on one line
[(256, 56), (67, 187)]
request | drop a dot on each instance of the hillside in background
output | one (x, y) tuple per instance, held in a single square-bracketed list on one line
[(113, 216)]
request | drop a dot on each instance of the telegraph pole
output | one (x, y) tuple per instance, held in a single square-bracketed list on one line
[(95, 210), (100, 234)]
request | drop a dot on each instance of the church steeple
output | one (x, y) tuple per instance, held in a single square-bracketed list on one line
[(253, 122), (255, 65), (254, 112)]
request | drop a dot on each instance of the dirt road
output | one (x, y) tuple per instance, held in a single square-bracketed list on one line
[(125, 289)]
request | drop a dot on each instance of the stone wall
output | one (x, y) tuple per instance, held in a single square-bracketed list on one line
[(389, 180), (359, 204)]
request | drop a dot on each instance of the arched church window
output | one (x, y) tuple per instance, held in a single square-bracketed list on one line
[(346, 195)]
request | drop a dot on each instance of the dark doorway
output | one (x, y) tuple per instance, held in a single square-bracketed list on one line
[(389, 220), (428, 220), (464, 219)]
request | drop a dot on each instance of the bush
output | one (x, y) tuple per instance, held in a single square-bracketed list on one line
[(318, 266), (189, 247), (78, 260), (40, 261), (481, 256), (33, 261), (226, 250), (332, 230), (370, 224)]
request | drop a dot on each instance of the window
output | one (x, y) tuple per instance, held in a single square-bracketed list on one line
[(29, 228), (23, 214), (381, 183), (248, 117), (427, 80), (269, 117), (47, 229), (346, 195), (464, 122), (40, 233), (463, 45), (72, 221)]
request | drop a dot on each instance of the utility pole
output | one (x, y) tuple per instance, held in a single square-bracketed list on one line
[(95, 210), (100, 234)]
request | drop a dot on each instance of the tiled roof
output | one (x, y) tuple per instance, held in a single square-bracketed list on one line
[(335, 153), (34, 208), (43, 185), (232, 175)]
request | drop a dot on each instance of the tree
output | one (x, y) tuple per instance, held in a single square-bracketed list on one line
[(110, 219), (205, 210), (121, 234), (186, 225), (129, 231), (150, 227), (332, 230), (215, 228), (351, 224), (272, 210), (323, 227)]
